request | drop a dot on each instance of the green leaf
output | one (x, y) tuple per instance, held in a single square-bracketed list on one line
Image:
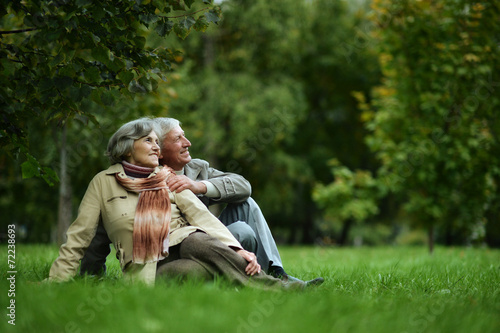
[(107, 98), (139, 42), (135, 87), (74, 94), (49, 176), (212, 16), (83, 3), (46, 84), (30, 169), (51, 36), (180, 30), (63, 82), (67, 71), (95, 95), (120, 23), (125, 77), (101, 54), (146, 83), (164, 28), (92, 74), (56, 60), (85, 91), (201, 24), (95, 38), (188, 3), (188, 22), (149, 18), (154, 84), (159, 4), (116, 65)]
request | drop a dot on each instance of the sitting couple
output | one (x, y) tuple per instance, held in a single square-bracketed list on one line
[(152, 205)]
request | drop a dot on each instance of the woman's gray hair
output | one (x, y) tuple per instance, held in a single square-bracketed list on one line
[(122, 142), (166, 125)]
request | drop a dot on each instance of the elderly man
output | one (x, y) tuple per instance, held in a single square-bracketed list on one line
[(242, 215)]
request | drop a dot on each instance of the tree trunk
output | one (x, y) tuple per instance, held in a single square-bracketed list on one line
[(431, 239), (344, 234), (64, 211)]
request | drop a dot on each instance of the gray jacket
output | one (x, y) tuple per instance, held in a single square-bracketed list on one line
[(233, 187)]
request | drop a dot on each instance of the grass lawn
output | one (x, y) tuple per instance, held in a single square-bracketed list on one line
[(388, 289)]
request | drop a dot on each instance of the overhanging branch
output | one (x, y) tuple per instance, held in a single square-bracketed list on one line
[(16, 31)]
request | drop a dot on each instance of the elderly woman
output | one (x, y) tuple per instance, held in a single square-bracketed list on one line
[(155, 232)]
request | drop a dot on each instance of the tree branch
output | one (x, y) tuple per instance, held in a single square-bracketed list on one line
[(187, 14), (16, 31)]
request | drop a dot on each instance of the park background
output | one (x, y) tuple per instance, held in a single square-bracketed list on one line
[(368, 129), (356, 122)]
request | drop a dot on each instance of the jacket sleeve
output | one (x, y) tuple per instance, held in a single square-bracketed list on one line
[(79, 235), (198, 215), (233, 188)]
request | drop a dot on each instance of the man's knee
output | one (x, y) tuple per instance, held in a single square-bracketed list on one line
[(244, 234)]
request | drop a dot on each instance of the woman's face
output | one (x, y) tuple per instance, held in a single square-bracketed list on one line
[(146, 151)]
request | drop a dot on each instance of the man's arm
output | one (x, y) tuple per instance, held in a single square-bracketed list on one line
[(231, 187), (218, 186)]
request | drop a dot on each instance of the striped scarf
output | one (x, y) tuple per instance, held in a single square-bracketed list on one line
[(152, 216)]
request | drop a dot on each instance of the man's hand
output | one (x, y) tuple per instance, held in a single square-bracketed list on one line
[(179, 183), (253, 266)]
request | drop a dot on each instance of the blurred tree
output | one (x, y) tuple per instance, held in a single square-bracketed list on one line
[(433, 121), (268, 94), (337, 59), (351, 198), (63, 60), (55, 54)]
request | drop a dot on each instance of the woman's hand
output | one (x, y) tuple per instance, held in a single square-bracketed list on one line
[(253, 266)]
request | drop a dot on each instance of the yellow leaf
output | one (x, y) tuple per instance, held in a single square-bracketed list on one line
[(471, 57)]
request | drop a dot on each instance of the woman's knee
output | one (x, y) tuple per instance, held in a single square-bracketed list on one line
[(183, 268), (197, 245)]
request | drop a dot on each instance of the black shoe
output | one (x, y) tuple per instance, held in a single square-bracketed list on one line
[(277, 272)]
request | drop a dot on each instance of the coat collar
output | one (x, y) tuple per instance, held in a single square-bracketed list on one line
[(192, 170)]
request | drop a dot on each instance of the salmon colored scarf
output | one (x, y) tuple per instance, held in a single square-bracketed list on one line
[(152, 216)]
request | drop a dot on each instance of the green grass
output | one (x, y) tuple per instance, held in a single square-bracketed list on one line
[(388, 289)]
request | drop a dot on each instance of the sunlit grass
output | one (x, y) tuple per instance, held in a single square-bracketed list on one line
[(366, 290)]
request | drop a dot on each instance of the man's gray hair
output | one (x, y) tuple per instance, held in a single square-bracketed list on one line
[(166, 124), (122, 142)]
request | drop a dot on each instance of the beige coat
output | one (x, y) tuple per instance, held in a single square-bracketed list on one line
[(108, 201)]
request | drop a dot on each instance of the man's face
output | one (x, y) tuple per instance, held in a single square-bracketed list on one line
[(175, 149)]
